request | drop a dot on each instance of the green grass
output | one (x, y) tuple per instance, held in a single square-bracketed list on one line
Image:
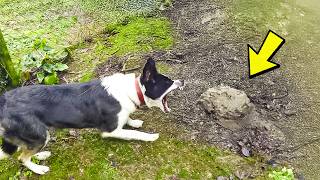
[(91, 157), (141, 35)]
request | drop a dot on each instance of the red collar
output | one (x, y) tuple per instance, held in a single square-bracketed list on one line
[(139, 92)]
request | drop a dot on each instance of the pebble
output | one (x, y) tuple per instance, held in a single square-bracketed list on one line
[(240, 175), (245, 151), (289, 112), (272, 162), (222, 178)]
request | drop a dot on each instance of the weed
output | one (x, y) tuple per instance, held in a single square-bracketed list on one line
[(283, 174), (44, 62)]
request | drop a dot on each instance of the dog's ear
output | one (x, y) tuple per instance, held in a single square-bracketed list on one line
[(149, 71)]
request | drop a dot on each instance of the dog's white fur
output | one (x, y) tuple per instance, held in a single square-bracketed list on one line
[(125, 92)]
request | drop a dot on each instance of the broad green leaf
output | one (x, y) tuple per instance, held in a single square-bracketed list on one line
[(47, 48), (51, 79), (60, 56), (40, 76), (60, 67), (48, 67), (37, 43)]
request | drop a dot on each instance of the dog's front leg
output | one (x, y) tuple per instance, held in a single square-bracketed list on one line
[(134, 123), (126, 134)]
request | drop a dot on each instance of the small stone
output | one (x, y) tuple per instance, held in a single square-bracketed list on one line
[(300, 176), (245, 151), (289, 112), (272, 162), (73, 132), (231, 177), (162, 7), (179, 55), (222, 178), (240, 175), (113, 164), (241, 144), (110, 155)]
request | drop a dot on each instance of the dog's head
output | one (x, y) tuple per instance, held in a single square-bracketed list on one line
[(156, 87)]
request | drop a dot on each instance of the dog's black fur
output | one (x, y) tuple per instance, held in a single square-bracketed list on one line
[(156, 84), (34, 108)]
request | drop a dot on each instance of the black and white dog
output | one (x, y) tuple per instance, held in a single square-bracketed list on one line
[(27, 112)]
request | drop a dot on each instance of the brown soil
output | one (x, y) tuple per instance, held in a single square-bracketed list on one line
[(213, 54)]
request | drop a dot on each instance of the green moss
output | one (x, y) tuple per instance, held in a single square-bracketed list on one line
[(87, 77), (91, 157), (141, 35), (8, 168)]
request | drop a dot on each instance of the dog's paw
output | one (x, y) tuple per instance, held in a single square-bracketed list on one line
[(42, 155), (38, 169), (3, 155), (152, 137), (135, 123)]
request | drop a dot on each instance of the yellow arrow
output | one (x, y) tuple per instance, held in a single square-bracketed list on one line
[(259, 62)]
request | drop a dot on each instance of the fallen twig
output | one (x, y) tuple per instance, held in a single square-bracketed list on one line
[(174, 61), (64, 78)]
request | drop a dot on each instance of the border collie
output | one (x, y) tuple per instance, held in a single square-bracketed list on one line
[(27, 112)]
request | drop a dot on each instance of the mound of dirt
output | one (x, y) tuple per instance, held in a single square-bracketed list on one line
[(226, 102)]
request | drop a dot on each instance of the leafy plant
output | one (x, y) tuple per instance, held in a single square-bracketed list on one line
[(283, 174), (27, 173), (16, 176), (44, 62)]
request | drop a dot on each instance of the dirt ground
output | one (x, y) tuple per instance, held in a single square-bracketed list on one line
[(210, 52)]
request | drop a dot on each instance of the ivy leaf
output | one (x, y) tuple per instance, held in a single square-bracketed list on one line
[(60, 67), (37, 43), (51, 79), (27, 63), (60, 55), (48, 67), (47, 48), (40, 76)]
